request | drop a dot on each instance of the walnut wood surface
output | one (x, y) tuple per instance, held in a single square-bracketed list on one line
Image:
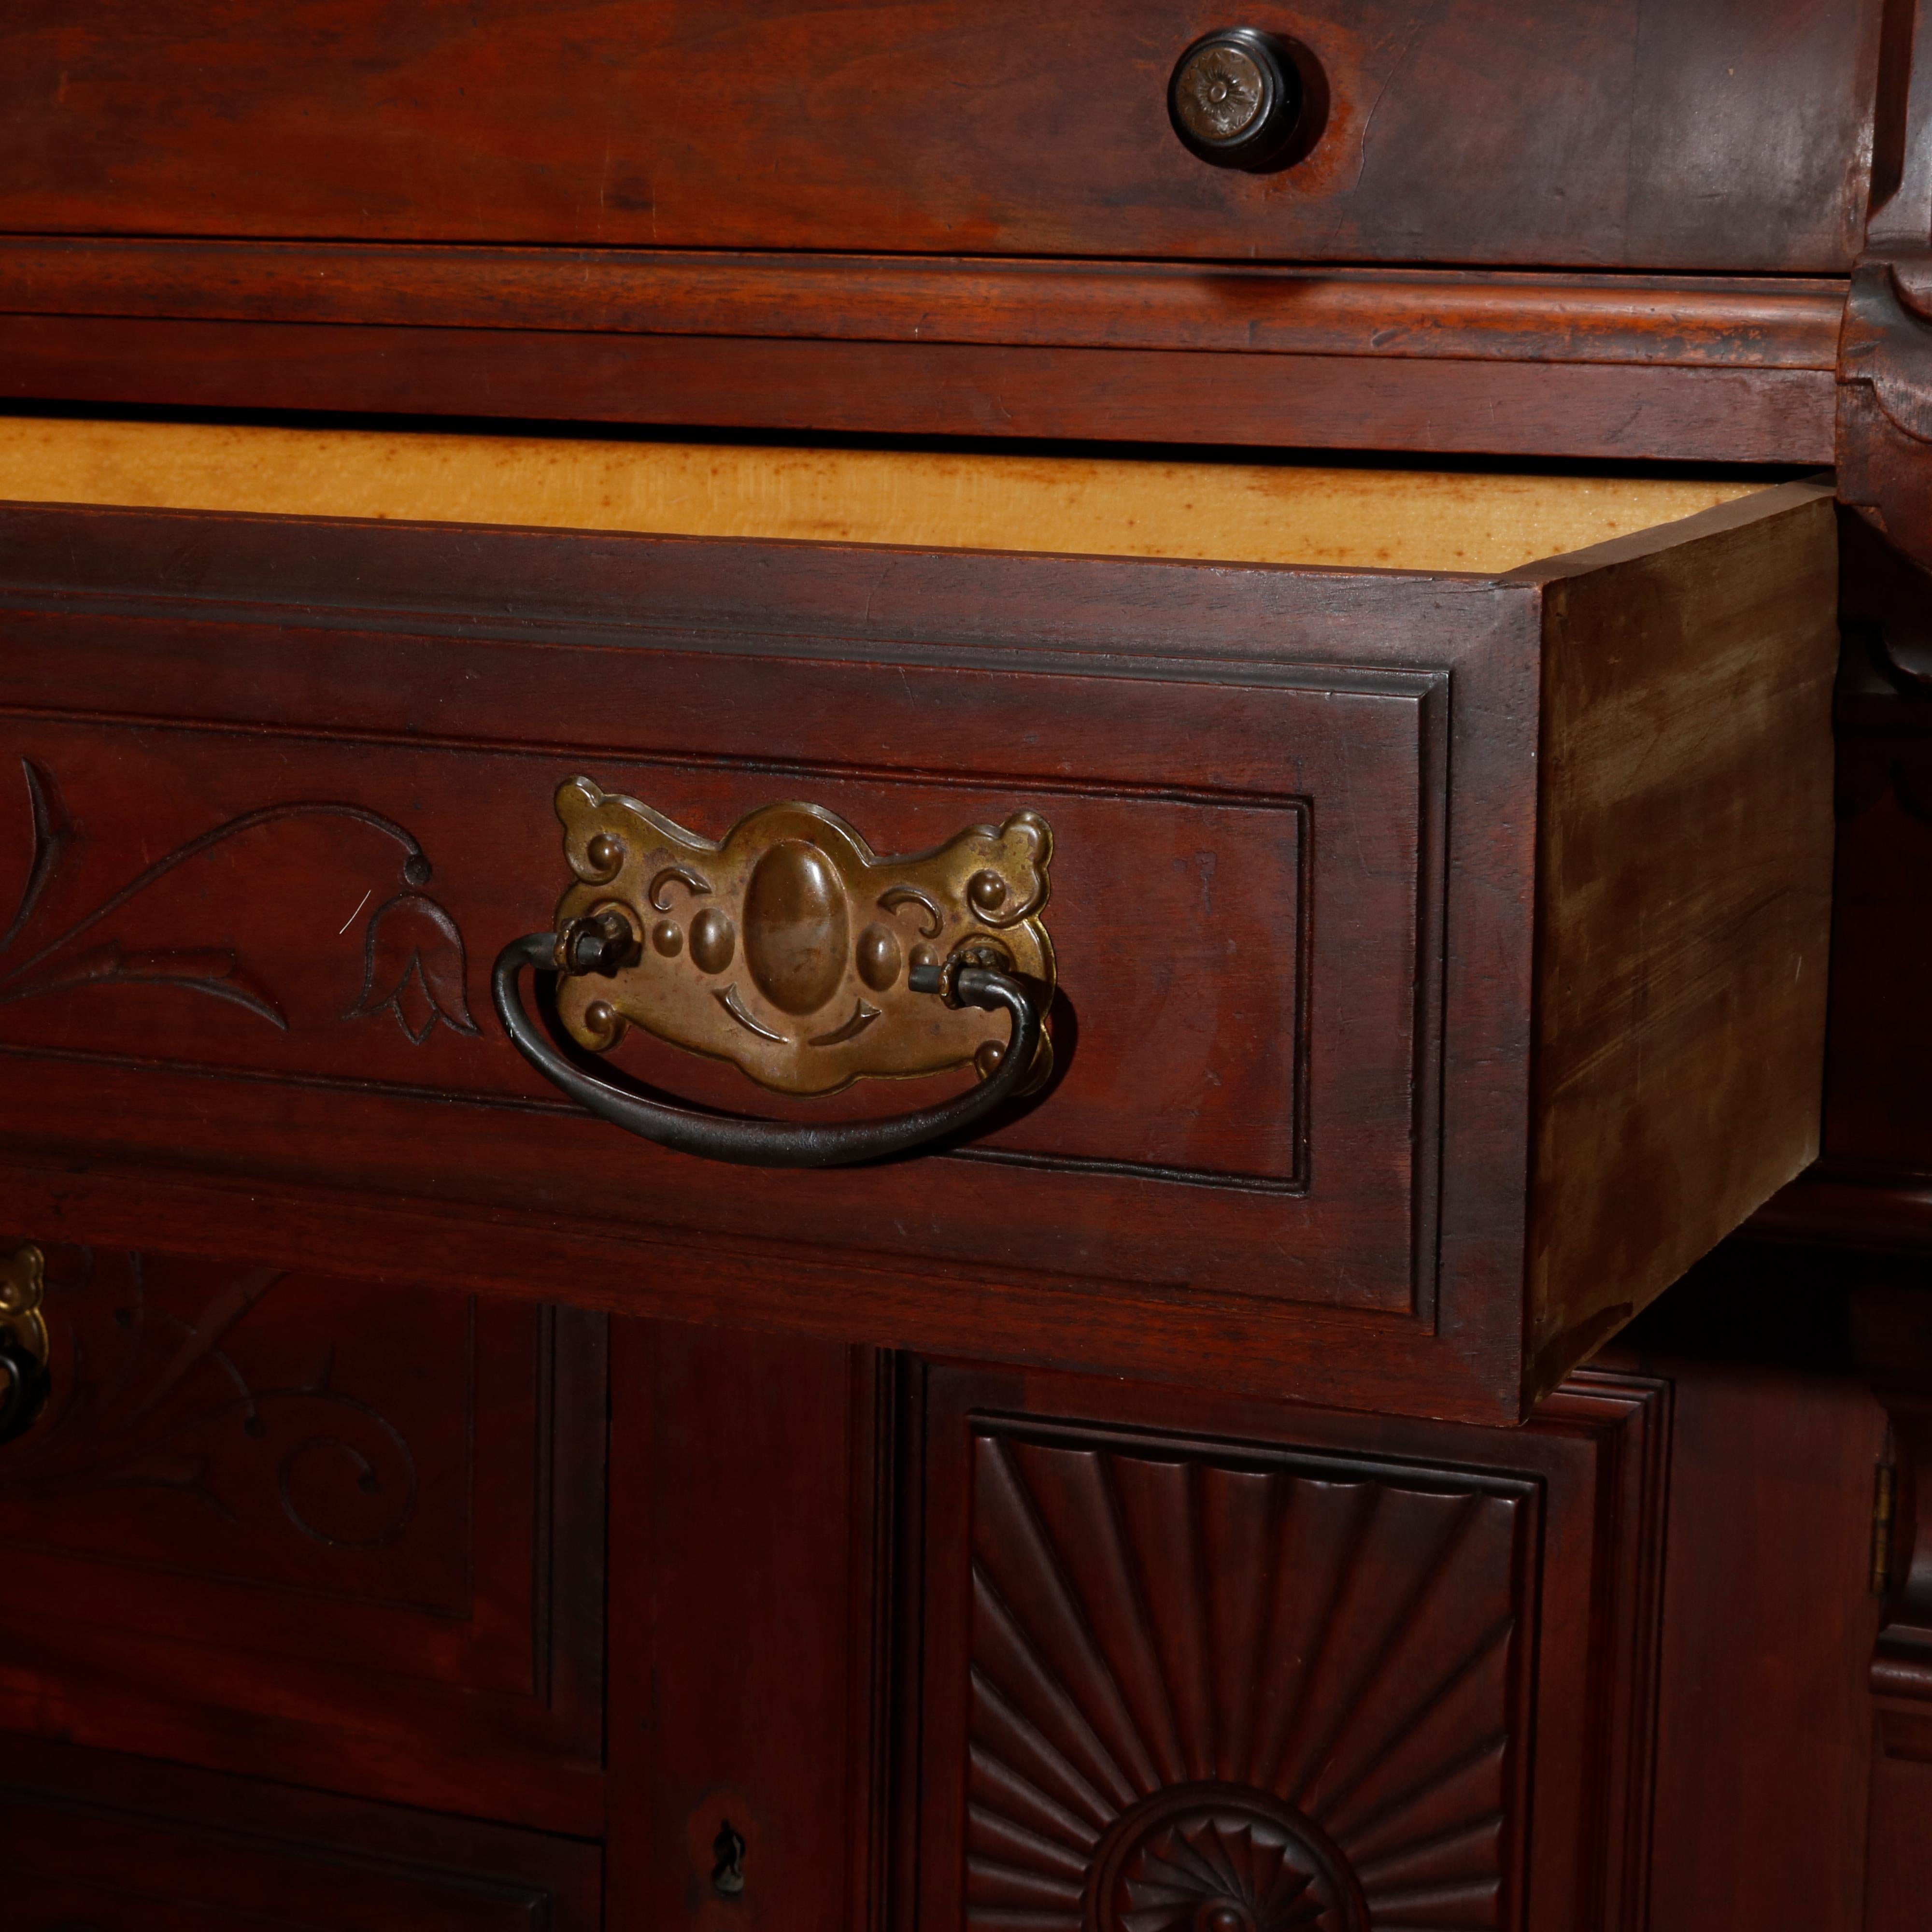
[(313, 1529), (1636, 133), (884, 649), (1705, 414), (94, 1843)]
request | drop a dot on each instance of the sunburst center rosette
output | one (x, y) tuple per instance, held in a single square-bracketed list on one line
[(1215, 1857)]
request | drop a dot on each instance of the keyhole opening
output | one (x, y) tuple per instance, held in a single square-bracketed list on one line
[(727, 1874)]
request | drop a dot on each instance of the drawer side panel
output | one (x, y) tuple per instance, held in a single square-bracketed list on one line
[(1685, 868)]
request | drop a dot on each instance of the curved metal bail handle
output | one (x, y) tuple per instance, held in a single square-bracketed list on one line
[(754, 1143)]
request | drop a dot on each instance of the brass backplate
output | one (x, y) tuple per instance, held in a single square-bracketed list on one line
[(785, 948)]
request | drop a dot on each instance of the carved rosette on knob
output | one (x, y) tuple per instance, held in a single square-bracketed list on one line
[(24, 1346), (790, 948), (1237, 98)]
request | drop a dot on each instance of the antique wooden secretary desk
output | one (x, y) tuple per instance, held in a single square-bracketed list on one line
[(882, 890)]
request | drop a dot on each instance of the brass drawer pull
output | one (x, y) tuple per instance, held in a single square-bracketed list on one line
[(24, 1348), (792, 951)]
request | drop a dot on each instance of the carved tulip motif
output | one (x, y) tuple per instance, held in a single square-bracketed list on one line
[(414, 967)]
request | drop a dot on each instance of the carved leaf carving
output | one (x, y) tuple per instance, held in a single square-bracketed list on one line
[(195, 969), (1238, 1697), (151, 1400), (414, 966)]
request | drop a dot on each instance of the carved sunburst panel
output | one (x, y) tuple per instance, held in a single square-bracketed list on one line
[(1214, 1693)]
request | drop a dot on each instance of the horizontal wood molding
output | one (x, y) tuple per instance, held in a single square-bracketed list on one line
[(1606, 411), (1676, 321), (1890, 1213)]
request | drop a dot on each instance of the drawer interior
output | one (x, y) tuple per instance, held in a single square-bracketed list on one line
[(1341, 517)]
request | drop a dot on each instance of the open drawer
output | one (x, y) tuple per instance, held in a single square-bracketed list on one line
[(1440, 932)]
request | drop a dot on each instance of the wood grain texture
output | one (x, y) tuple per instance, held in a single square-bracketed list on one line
[(1633, 133), (1685, 864), (1288, 513), (1182, 1653), (1740, 322), (356, 979), (94, 1843), (1375, 1693), (1898, 1868), (279, 1523), (1448, 404), (747, 1627), (1768, 1628)]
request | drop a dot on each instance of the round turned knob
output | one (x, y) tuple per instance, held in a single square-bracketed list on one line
[(1235, 97)]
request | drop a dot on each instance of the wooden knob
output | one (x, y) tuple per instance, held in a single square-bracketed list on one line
[(1235, 98)]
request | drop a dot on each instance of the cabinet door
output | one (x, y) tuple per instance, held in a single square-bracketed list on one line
[(93, 1843), (329, 1531), (1191, 1663)]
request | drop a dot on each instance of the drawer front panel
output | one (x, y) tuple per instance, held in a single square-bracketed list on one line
[(1242, 942), (1637, 132), (95, 1844), (1357, 1027), (279, 1522)]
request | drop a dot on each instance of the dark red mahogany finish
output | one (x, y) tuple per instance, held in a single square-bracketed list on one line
[(1288, 1141), (1637, 134), (116, 1844), (261, 1527), (351, 1585)]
